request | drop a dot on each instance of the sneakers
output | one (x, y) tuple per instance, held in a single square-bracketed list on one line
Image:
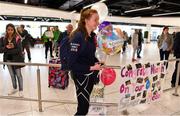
[(57, 55), (13, 91), (29, 59), (133, 60), (166, 71), (21, 94), (138, 56), (172, 85)]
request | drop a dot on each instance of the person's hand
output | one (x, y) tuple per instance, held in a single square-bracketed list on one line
[(10, 46), (100, 62), (119, 32), (168, 49), (97, 66), (50, 39)]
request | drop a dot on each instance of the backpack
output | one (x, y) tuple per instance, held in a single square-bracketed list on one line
[(64, 53)]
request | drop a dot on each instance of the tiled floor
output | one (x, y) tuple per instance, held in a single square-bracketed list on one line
[(168, 105)]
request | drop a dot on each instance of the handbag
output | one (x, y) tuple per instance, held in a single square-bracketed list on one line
[(97, 96), (19, 59), (98, 89), (97, 93)]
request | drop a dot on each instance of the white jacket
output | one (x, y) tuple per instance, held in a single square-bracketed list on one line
[(135, 40)]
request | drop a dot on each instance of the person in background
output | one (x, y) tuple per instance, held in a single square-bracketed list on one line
[(158, 37), (129, 40), (174, 35), (134, 44), (69, 29), (140, 39), (25, 40), (176, 49), (66, 33), (47, 39), (11, 46), (19, 30), (165, 44), (56, 33), (82, 60), (125, 41)]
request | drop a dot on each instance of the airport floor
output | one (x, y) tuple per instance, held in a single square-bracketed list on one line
[(167, 105)]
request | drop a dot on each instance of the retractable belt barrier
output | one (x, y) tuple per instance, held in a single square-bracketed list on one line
[(39, 99)]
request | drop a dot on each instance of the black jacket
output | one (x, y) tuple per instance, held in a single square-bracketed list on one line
[(82, 53), (12, 55), (26, 38), (62, 36), (140, 38), (176, 46)]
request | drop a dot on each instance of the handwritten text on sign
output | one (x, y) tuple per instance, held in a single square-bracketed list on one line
[(140, 83)]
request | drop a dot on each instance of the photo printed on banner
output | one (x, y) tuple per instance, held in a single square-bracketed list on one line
[(140, 84)]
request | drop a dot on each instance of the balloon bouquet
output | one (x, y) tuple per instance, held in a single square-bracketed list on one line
[(109, 43)]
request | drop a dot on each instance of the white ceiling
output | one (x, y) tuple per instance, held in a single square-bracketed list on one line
[(22, 10)]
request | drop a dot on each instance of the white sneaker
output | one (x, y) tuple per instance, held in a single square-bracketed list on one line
[(21, 94), (13, 91), (166, 72)]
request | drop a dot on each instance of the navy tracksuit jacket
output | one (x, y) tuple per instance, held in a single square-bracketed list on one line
[(82, 56)]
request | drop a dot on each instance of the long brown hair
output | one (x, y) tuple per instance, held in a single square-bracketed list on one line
[(14, 34), (85, 14)]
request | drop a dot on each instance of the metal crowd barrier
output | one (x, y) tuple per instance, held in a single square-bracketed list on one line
[(39, 99)]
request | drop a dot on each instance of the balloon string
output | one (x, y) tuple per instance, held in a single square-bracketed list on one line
[(109, 66), (99, 77), (104, 86)]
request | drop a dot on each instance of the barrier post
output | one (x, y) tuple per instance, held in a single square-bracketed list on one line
[(39, 90), (177, 80)]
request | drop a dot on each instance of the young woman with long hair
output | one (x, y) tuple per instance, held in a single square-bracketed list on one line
[(82, 60), (11, 47), (165, 44)]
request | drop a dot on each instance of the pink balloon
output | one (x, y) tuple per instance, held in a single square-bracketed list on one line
[(108, 76)]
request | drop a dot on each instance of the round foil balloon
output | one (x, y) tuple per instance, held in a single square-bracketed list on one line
[(101, 9), (109, 41), (108, 76)]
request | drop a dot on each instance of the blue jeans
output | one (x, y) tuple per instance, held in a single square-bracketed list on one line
[(164, 54), (139, 49), (16, 75)]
